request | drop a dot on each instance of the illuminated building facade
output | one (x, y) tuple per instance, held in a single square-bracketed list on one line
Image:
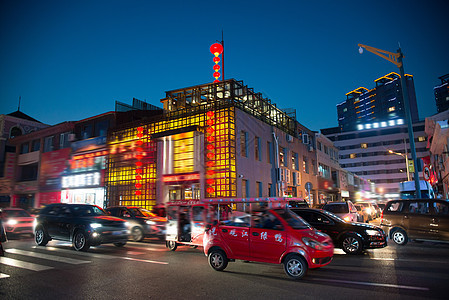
[(442, 94), (215, 140), (380, 107)]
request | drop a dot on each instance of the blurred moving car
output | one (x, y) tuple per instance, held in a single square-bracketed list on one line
[(142, 222), (17, 221), (370, 209), (345, 210), (353, 238), (362, 214), (416, 219), (84, 225)]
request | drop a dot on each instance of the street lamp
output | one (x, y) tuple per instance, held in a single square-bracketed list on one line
[(396, 58), (406, 162)]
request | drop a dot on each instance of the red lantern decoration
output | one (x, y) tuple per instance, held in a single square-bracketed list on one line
[(138, 185), (138, 163), (210, 130), (216, 49), (139, 156), (210, 114), (210, 181), (210, 122), (138, 193), (139, 149), (140, 129), (210, 190), (210, 155), (217, 68), (140, 135), (210, 163), (139, 143), (138, 177), (217, 74), (210, 139), (210, 173), (216, 60), (139, 171), (210, 147)]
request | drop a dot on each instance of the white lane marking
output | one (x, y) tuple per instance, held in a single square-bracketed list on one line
[(48, 257), (72, 251), (411, 260), (22, 264), (375, 284), (145, 260), (3, 275)]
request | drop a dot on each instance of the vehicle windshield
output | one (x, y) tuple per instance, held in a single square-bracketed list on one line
[(16, 213), (141, 212), (295, 221), (88, 211), (337, 208)]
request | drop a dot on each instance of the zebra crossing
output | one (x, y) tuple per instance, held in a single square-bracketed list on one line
[(38, 258), (45, 259)]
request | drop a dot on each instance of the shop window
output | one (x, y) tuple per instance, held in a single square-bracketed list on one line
[(15, 131), (48, 144), (24, 148), (257, 148), (244, 143), (36, 145), (305, 165)]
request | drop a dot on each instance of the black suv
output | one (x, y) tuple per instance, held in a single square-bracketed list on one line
[(353, 238), (83, 224), (142, 222), (419, 219)]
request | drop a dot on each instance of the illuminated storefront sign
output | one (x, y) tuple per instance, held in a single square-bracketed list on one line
[(92, 179), (181, 178)]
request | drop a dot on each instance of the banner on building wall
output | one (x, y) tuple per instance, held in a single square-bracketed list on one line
[(9, 165), (52, 165), (89, 144), (49, 197), (429, 173)]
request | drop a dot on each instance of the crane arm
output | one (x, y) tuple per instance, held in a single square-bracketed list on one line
[(392, 57)]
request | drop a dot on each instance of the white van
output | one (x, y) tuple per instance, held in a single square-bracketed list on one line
[(407, 190)]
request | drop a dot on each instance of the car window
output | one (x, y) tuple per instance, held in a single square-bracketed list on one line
[(88, 210), (418, 207), (337, 208), (197, 212), (52, 210), (395, 206), (266, 220), (441, 208), (293, 220)]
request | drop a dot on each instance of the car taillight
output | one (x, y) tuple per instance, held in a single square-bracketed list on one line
[(381, 217)]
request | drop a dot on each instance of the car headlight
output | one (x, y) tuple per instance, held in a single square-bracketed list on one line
[(312, 243), (11, 222), (150, 222), (372, 232), (347, 218), (95, 225)]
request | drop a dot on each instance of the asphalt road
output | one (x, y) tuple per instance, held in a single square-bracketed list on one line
[(148, 270)]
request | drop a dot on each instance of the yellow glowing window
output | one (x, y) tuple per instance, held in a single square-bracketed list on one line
[(363, 146), (352, 155), (391, 108), (421, 138)]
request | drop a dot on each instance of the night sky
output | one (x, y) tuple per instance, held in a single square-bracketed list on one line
[(70, 60)]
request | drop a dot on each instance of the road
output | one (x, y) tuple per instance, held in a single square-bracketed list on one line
[(148, 270)]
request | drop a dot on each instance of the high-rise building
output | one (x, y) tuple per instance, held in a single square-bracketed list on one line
[(442, 94), (378, 107)]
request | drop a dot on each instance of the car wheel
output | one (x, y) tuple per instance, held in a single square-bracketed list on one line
[(80, 241), (40, 237), (295, 266), (171, 245), (137, 234), (352, 244), (120, 244), (399, 237), (217, 260)]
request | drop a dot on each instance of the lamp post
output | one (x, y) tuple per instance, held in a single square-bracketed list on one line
[(406, 162), (396, 58)]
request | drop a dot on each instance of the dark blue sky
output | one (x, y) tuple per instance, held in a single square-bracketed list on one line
[(70, 60)]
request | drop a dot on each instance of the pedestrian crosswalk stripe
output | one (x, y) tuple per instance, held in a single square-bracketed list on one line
[(71, 251), (3, 275), (23, 264), (48, 257)]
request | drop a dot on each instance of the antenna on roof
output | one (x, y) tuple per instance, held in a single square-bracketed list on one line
[(18, 108)]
